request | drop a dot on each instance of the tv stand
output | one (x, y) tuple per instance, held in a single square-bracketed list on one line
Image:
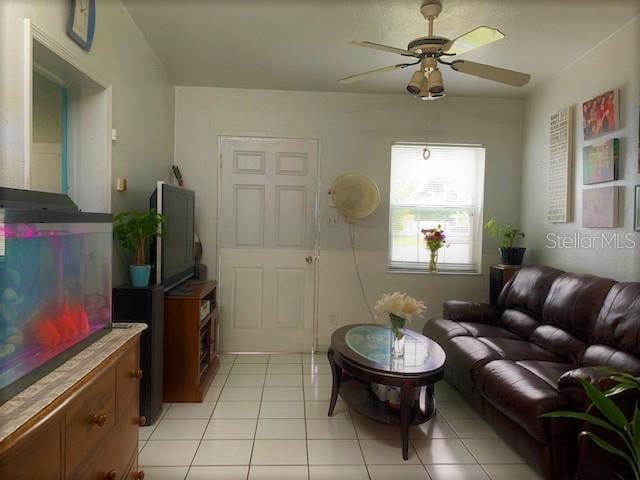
[(190, 341)]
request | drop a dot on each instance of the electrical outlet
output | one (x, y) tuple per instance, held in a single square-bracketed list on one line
[(333, 318), (332, 219)]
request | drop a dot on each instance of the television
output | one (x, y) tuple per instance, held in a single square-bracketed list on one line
[(172, 254)]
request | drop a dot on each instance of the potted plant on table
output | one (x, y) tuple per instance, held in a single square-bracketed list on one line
[(134, 230), (435, 239), (400, 308), (510, 254)]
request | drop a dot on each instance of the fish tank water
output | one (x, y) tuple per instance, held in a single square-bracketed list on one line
[(55, 284)]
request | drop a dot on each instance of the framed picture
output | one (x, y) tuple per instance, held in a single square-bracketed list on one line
[(601, 207), (82, 22), (600, 162), (636, 210), (601, 115)]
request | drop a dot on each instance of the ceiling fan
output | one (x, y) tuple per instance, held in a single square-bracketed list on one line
[(429, 51)]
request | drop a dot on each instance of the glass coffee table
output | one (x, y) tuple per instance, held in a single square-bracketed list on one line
[(361, 355)]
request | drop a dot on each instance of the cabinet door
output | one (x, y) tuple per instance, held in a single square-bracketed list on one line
[(37, 456)]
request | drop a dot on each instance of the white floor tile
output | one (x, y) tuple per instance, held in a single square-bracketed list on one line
[(339, 472), (240, 394), (437, 427), (370, 429), (254, 358), (261, 472), (281, 429), (165, 473), (320, 410), (286, 358), (249, 369), (231, 429), (322, 380), (216, 473), (224, 368), (283, 381), (492, 450), (314, 358), (165, 409), (317, 394), (386, 452), (316, 368), (218, 380), (179, 429), (472, 428), (334, 452), (284, 369), (236, 410), (282, 410), (511, 472), (282, 394), (459, 472), (227, 358), (244, 380), (446, 393), (168, 453), (190, 410), (279, 452), (452, 410), (145, 432), (213, 393), (223, 452), (330, 428), (405, 472), (141, 444), (443, 450)]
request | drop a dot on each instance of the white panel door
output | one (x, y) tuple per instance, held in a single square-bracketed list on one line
[(267, 243)]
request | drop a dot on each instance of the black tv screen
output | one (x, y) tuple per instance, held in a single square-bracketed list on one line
[(172, 254)]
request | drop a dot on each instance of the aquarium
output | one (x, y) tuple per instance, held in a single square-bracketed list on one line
[(55, 287)]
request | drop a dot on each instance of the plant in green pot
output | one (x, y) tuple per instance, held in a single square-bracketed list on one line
[(134, 231), (509, 253)]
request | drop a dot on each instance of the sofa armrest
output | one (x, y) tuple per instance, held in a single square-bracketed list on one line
[(459, 311), (598, 376)]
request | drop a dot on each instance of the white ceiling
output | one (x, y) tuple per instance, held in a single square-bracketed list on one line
[(304, 44)]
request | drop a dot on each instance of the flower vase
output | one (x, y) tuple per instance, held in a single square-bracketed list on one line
[(433, 261), (397, 335)]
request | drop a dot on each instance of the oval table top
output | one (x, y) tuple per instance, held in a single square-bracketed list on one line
[(369, 346)]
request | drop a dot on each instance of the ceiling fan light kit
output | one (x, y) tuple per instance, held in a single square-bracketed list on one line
[(432, 50)]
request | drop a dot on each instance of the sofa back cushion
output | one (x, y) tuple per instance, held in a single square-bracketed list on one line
[(574, 302), (618, 324), (528, 289)]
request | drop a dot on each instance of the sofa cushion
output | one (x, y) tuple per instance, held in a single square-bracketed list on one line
[(517, 350), (468, 354), (574, 302), (604, 355), (528, 289), (618, 324), (441, 330), (481, 330), (550, 372), (559, 342), (520, 394), (519, 322)]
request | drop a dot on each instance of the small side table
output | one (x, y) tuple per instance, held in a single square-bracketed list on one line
[(498, 277)]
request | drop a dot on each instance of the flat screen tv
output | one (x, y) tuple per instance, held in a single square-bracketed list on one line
[(172, 254)]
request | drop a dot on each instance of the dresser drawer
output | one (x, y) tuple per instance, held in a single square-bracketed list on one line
[(89, 418), (128, 379), (118, 450)]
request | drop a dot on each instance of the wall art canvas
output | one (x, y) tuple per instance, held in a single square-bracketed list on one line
[(600, 162), (601, 115), (601, 207), (560, 166), (636, 210)]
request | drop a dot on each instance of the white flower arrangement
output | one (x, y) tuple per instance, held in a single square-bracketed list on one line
[(401, 305)]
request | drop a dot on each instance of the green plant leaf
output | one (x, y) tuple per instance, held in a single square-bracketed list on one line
[(609, 409), (611, 449), (581, 416)]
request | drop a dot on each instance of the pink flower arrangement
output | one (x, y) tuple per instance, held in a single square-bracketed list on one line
[(435, 238)]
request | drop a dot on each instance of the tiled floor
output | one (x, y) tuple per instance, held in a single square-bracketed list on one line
[(265, 417)]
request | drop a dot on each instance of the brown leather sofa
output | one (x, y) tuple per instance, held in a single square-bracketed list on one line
[(525, 356)]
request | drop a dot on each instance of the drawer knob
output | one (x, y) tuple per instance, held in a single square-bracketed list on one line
[(142, 420), (137, 374), (138, 475), (110, 475), (99, 420)]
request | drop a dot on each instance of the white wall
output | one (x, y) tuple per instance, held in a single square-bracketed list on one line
[(143, 97), (355, 133), (615, 63)]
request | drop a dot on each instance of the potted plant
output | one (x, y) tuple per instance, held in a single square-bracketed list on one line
[(612, 419), (134, 230), (510, 254)]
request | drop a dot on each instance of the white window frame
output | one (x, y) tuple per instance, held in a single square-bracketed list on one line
[(475, 267)]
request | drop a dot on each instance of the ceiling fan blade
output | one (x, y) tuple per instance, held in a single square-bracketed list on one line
[(477, 37), (371, 73), (384, 48), (502, 75)]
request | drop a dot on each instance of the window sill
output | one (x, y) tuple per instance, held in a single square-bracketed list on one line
[(414, 271)]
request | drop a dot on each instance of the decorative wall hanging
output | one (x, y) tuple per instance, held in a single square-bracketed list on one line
[(560, 166), (601, 115), (600, 207), (81, 24), (600, 162)]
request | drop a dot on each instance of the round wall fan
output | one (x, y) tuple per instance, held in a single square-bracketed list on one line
[(355, 196), (427, 52)]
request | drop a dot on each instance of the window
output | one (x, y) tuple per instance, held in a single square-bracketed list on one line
[(447, 190)]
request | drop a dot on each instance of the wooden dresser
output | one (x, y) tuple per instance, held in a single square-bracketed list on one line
[(90, 431)]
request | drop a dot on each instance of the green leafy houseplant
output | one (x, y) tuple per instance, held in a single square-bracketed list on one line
[(613, 419), (134, 230), (508, 232)]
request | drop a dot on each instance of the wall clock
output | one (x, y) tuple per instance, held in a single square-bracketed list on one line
[(82, 22)]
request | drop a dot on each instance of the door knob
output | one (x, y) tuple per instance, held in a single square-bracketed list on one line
[(308, 259)]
